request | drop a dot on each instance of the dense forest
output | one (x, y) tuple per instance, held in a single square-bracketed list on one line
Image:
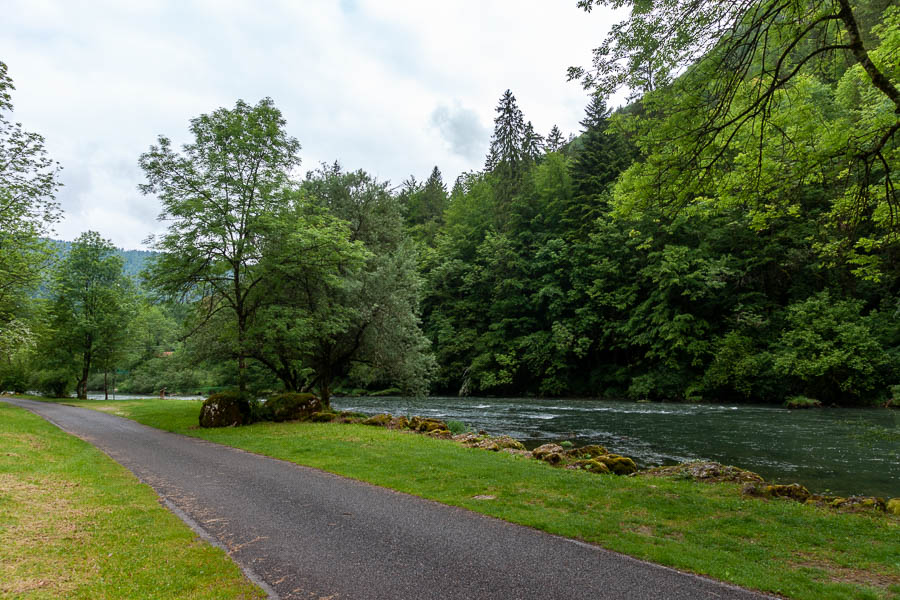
[(729, 235)]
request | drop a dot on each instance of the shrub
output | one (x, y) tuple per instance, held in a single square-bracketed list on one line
[(801, 402), (54, 383), (457, 427), (292, 406), (225, 409), (14, 378)]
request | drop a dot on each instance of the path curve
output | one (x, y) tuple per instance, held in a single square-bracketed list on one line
[(310, 534)]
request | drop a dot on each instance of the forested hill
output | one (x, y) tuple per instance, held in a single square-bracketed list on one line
[(733, 235), (134, 260)]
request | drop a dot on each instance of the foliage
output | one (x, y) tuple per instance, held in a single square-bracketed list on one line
[(360, 320), (90, 308), (28, 183), (219, 194), (457, 427)]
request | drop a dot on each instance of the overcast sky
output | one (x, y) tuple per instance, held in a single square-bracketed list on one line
[(390, 86)]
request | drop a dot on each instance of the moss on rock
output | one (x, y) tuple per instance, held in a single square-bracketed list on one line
[(591, 465), (793, 491), (399, 423), (620, 465), (292, 406), (549, 453), (586, 452), (893, 506), (380, 420), (323, 417), (706, 471), (225, 409)]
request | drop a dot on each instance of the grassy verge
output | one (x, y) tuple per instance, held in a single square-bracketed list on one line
[(776, 546), (74, 524)]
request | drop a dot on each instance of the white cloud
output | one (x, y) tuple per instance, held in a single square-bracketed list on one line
[(394, 87)]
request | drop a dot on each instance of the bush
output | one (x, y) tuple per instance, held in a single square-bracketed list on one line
[(829, 350), (54, 383), (225, 409), (14, 378), (292, 406), (801, 402), (457, 427)]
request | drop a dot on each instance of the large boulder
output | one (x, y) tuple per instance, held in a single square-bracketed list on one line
[(293, 406), (225, 409)]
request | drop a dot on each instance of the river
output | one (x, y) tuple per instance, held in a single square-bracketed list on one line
[(835, 450)]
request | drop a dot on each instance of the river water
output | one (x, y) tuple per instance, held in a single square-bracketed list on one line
[(838, 450)]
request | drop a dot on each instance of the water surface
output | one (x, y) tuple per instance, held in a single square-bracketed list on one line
[(838, 450)]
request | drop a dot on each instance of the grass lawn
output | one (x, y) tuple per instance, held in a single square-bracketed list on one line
[(776, 546), (74, 524)]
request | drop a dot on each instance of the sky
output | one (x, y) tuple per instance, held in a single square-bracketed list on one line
[(394, 87)]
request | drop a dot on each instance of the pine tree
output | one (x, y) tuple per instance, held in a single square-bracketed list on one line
[(509, 133), (598, 161), (555, 140), (532, 143)]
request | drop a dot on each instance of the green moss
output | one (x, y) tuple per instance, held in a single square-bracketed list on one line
[(801, 402), (380, 420)]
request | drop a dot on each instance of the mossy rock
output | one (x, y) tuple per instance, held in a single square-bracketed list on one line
[(381, 420), (620, 465), (860, 504), (349, 416), (705, 471), (505, 442), (587, 452), (399, 423), (793, 491), (590, 465), (546, 449), (893, 506), (293, 406), (423, 425), (225, 409), (323, 417), (822, 501), (443, 434), (468, 439)]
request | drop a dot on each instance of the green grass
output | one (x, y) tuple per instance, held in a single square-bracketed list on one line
[(74, 524), (776, 546)]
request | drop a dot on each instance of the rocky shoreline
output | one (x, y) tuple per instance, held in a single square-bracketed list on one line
[(598, 460)]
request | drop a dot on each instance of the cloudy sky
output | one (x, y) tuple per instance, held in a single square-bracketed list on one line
[(390, 86)]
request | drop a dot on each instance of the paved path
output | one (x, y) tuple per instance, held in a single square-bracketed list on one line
[(308, 534)]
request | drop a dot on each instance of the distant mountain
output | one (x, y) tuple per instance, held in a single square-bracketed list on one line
[(135, 260)]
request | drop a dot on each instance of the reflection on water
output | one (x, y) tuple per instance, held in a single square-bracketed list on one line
[(841, 450)]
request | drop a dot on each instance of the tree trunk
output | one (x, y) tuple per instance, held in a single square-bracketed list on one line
[(85, 371), (106, 384), (325, 391)]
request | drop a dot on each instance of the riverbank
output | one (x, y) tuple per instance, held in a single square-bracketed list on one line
[(77, 525), (775, 546)]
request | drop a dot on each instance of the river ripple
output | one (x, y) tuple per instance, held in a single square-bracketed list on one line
[(837, 450)]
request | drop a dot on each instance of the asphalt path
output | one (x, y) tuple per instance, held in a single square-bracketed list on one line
[(304, 533)]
